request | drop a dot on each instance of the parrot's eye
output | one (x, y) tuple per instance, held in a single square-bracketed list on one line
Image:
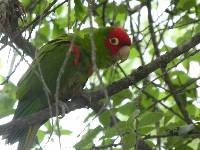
[(114, 41)]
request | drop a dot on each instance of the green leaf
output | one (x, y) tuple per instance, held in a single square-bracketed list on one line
[(110, 10), (133, 53), (121, 15), (127, 109), (61, 22), (92, 114), (179, 77), (87, 140), (174, 142), (57, 30), (125, 126), (149, 118), (152, 90), (106, 141), (119, 97), (40, 8), (79, 10), (146, 130), (186, 64), (6, 105), (40, 135), (173, 125), (168, 117), (185, 36), (111, 74), (198, 146), (128, 141), (186, 4), (42, 35), (105, 117), (195, 57), (110, 132), (1, 79), (60, 10), (7, 99), (66, 132), (185, 20), (193, 111), (26, 2)]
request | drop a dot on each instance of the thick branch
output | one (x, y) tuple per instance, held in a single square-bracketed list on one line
[(79, 102)]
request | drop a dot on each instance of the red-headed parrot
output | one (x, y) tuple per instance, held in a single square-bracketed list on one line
[(112, 44)]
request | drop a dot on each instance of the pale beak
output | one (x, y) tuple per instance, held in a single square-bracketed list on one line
[(123, 53)]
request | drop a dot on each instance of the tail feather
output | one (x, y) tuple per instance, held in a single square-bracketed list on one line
[(25, 137), (13, 136), (27, 141)]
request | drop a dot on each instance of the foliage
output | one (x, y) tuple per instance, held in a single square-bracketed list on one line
[(148, 110), (7, 99)]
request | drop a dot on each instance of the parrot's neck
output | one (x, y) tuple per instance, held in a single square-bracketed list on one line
[(104, 59)]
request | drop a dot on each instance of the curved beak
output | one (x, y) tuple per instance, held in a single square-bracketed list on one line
[(123, 53)]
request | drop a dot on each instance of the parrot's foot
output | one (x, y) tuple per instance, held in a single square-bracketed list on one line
[(63, 108)]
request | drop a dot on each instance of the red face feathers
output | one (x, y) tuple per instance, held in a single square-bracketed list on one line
[(118, 42)]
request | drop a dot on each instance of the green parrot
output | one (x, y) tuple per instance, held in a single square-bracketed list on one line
[(112, 44)]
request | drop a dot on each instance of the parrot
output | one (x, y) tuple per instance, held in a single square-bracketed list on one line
[(112, 44)]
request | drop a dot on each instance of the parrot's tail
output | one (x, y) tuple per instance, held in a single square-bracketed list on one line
[(25, 137)]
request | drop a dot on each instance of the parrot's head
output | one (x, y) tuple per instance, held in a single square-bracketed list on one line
[(112, 45), (118, 43)]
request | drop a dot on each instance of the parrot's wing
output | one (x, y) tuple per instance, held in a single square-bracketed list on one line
[(30, 79)]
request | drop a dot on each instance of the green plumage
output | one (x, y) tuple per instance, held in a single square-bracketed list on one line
[(51, 56)]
